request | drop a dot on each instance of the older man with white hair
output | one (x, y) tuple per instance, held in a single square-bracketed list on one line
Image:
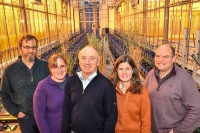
[(90, 98)]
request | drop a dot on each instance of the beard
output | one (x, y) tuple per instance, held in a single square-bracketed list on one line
[(30, 57)]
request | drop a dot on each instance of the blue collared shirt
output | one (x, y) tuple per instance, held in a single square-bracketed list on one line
[(85, 82)]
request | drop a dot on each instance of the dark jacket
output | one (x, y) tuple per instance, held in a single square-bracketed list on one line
[(18, 85), (91, 111)]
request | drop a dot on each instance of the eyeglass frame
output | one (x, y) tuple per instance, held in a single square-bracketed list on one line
[(62, 67), (28, 47)]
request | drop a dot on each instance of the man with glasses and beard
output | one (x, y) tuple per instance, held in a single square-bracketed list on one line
[(19, 82)]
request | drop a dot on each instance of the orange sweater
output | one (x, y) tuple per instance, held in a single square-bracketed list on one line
[(133, 112)]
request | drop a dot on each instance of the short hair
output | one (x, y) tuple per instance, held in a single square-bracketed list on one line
[(173, 51), (27, 37), (53, 58), (98, 56)]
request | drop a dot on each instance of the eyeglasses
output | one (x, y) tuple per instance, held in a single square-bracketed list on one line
[(62, 67), (28, 47)]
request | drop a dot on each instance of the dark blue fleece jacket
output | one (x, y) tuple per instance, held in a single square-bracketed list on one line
[(18, 85), (93, 111)]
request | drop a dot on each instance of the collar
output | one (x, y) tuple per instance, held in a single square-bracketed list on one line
[(21, 63), (171, 73), (52, 82), (80, 75), (121, 87)]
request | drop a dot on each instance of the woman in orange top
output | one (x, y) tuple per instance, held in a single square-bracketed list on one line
[(132, 98)]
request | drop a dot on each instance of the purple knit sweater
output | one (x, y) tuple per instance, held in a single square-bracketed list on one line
[(48, 105), (175, 103)]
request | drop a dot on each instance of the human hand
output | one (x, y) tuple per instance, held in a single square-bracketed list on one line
[(20, 115), (171, 131)]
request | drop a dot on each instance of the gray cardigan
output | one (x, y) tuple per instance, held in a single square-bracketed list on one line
[(175, 103), (18, 85)]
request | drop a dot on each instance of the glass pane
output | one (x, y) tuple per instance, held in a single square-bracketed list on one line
[(91, 14), (59, 7), (140, 6), (76, 14), (160, 26), (150, 4), (69, 26), (15, 2), (60, 29), (64, 26), (31, 22), (7, 1), (178, 22), (37, 24), (44, 27), (11, 26), (52, 25), (59, 23), (41, 25), (37, 6), (28, 20), (162, 3), (173, 2), (150, 23), (18, 23), (3, 34), (51, 6), (184, 20), (195, 23), (111, 19)]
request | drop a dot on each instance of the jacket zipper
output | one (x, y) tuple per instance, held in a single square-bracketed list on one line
[(31, 78)]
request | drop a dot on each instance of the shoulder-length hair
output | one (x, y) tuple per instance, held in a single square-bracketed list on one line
[(136, 85)]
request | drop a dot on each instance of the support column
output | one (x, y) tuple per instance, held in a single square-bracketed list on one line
[(197, 54), (95, 18), (185, 47)]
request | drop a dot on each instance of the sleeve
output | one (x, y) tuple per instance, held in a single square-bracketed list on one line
[(66, 118), (190, 99), (6, 97), (110, 109), (39, 108), (145, 112)]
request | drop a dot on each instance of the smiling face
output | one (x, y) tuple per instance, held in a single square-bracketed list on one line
[(125, 72), (28, 50), (164, 59), (59, 71), (57, 65), (88, 61)]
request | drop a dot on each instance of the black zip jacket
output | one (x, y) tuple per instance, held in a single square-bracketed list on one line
[(94, 111), (18, 85)]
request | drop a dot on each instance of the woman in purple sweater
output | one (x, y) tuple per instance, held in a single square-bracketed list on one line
[(49, 94)]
